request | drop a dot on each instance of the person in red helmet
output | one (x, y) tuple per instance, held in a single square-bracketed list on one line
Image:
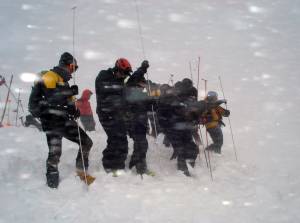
[(109, 87), (86, 113)]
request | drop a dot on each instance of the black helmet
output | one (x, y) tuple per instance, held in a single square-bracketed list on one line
[(187, 83), (66, 59), (212, 96)]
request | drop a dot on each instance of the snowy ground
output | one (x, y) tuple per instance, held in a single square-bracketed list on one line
[(254, 45), (240, 192)]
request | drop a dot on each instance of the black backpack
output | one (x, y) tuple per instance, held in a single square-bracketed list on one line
[(36, 97)]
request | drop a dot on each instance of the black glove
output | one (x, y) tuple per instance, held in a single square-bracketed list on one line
[(74, 89), (145, 64), (73, 112), (226, 113)]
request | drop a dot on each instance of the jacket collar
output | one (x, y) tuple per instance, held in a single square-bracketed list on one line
[(66, 76)]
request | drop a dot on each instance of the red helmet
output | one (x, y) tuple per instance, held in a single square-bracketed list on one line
[(123, 65)]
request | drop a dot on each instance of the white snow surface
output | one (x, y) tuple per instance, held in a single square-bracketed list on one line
[(253, 45)]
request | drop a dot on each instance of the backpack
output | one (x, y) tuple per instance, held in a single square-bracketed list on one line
[(36, 97)]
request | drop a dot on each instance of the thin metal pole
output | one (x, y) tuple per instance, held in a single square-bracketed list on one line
[(73, 39), (234, 147), (78, 129), (144, 55), (191, 72), (12, 94), (198, 78), (7, 98), (17, 115), (208, 153)]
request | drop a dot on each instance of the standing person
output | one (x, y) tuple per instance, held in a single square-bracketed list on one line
[(109, 87), (172, 118), (189, 93), (86, 113), (52, 101), (138, 103), (212, 120)]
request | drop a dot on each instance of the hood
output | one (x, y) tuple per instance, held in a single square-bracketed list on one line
[(86, 94)]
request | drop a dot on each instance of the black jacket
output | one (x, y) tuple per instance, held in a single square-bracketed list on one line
[(52, 94), (109, 92)]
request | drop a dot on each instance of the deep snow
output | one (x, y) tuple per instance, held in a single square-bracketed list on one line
[(253, 45)]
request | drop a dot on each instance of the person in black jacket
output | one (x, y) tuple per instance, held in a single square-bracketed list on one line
[(138, 104), (52, 101), (176, 115), (109, 87)]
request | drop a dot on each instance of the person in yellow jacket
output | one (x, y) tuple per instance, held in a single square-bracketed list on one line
[(52, 101), (212, 120)]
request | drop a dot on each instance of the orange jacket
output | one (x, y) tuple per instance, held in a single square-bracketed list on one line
[(213, 117)]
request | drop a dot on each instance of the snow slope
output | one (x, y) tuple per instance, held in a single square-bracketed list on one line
[(253, 45)]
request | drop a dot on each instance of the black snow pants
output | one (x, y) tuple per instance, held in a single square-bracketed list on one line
[(216, 135), (183, 145), (137, 131), (56, 128), (115, 153)]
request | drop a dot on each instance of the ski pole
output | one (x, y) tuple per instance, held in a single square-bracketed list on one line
[(144, 55), (234, 147), (17, 115), (78, 129), (191, 72), (198, 78), (147, 75), (7, 98), (208, 154)]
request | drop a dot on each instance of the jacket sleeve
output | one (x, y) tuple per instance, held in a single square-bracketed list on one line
[(137, 77), (222, 111)]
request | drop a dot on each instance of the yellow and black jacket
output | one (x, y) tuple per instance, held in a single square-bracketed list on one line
[(213, 117), (51, 93)]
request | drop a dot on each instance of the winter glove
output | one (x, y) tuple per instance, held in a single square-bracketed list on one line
[(145, 64), (74, 89), (226, 113), (73, 112)]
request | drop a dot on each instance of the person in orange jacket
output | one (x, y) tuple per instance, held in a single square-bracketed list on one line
[(86, 113), (212, 120)]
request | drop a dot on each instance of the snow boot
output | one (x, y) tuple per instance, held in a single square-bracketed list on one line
[(88, 179), (181, 166), (141, 168), (52, 179)]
